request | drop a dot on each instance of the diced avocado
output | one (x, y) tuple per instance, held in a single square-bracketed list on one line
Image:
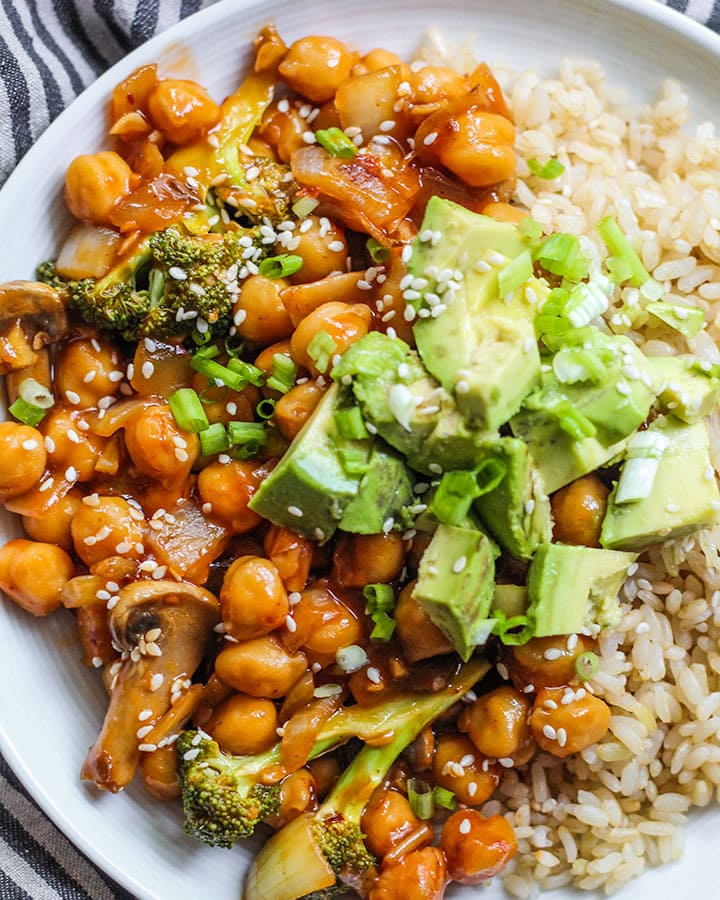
[(481, 347), (684, 496), (517, 511), (383, 493), (455, 585), (310, 487), (572, 587), (406, 406), (510, 599), (687, 391)]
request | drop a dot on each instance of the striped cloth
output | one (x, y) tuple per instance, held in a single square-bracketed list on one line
[(49, 51)]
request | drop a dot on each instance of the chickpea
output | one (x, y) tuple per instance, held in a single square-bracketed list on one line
[(89, 370), (293, 409), (224, 405), (297, 794), (159, 773), (323, 248), (476, 848), (54, 526), (505, 212), (266, 320), (264, 359), (261, 667), (70, 445), (362, 559), (111, 527), (22, 458), (94, 183), (252, 599), (474, 144), (316, 66), (344, 323), (182, 110), (421, 875), (34, 574), (229, 488), (155, 444), (435, 86), (578, 510), (387, 821), (458, 767), (283, 131), (497, 723), (419, 636), (528, 664), (376, 59), (291, 553), (324, 624), (244, 725), (566, 728)]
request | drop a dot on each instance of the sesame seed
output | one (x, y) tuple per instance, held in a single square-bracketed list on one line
[(177, 273), (406, 253), (472, 788), (319, 534), (549, 732), (72, 397), (46, 485), (336, 246), (290, 624), (156, 681), (561, 737), (316, 667), (207, 508), (116, 375), (467, 760), (295, 511), (309, 137), (123, 547), (294, 597), (144, 731), (144, 715), (506, 762), (283, 106), (181, 455), (387, 125), (388, 524), (464, 826), (97, 661), (430, 138), (327, 690), (252, 173), (71, 473), (462, 387), (459, 564), (435, 468), (30, 444), (373, 675), (224, 459), (191, 754), (147, 748)]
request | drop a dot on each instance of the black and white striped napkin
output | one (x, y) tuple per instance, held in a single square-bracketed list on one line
[(49, 51)]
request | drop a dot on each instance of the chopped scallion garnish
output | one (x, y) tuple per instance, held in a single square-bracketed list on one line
[(420, 798), (284, 372), (281, 266), (248, 371), (530, 229), (33, 392), (384, 626), (214, 439), (562, 255), (644, 452), (265, 408), (443, 797), (242, 434), (28, 413), (515, 273), (187, 410), (379, 597), (336, 142), (354, 460), (350, 424), (378, 253), (304, 206), (586, 665), (621, 248), (553, 168), (215, 372), (320, 349)]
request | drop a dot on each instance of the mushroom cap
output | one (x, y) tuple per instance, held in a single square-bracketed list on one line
[(37, 307)]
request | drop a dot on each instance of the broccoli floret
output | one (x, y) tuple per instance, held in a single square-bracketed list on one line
[(326, 849), (268, 195)]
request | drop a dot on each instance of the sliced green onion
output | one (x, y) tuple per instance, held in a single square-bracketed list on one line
[(234, 351), (515, 273), (644, 452), (378, 253), (586, 301), (284, 372), (320, 350), (201, 337), (336, 142), (586, 665), (188, 411), (350, 424), (215, 372), (553, 168), (621, 248), (280, 266), (687, 320), (379, 597), (488, 475), (304, 206), (384, 626), (208, 352), (248, 371), (420, 797), (571, 420), (33, 392), (214, 439), (243, 433), (619, 269), (573, 364), (454, 496), (443, 797), (562, 255), (354, 460), (28, 413), (265, 408), (505, 629), (530, 228)]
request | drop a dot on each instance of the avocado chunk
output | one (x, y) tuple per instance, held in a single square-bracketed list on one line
[(383, 493), (406, 406), (455, 585), (684, 496), (510, 599), (479, 345), (310, 487), (570, 588), (517, 511), (687, 391)]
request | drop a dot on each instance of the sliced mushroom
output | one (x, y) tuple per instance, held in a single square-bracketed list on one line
[(32, 315), (164, 629)]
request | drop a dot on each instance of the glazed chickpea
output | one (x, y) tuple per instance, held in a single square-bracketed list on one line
[(22, 458), (566, 728), (253, 600), (228, 488), (109, 527), (458, 766), (293, 409), (505, 212), (578, 510), (69, 446), (158, 447), (343, 322), (476, 848), (497, 723), (159, 773), (291, 554), (297, 794), (54, 526), (376, 59), (94, 183), (87, 369), (224, 405), (266, 320), (261, 667), (529, 665), (34, 574), (323, 248), (362, 559), (283, 131), (324, 624), (388, 820), (182, 110), (244, 725), (425, 870), (436, 85), (316, 66), (419, 636)]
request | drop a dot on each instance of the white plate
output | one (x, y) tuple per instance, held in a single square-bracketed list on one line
[(50, 706)]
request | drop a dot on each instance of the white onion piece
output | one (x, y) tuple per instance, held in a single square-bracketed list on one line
[(88, 252)]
